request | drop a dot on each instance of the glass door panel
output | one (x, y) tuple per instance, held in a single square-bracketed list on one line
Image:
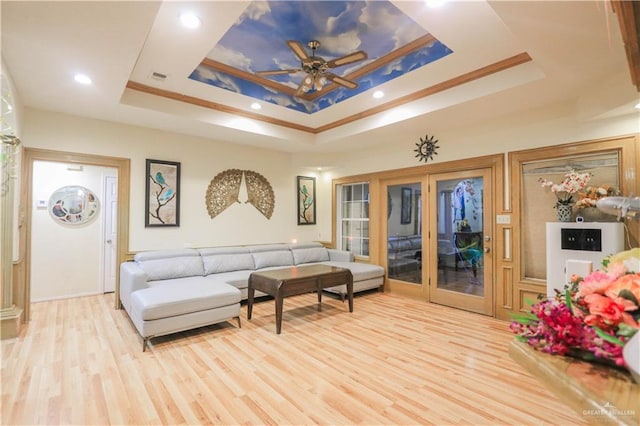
[(461, 269), (404, 232)]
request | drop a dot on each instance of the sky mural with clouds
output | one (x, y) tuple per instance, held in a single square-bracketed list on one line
[(257, 42)]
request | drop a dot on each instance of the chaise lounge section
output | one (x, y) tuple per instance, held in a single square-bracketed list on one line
[(168, 291)]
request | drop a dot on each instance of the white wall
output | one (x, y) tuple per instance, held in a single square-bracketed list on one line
[(201, 160), (65, 259)]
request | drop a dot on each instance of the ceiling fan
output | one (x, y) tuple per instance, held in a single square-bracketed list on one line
[(317, 68)]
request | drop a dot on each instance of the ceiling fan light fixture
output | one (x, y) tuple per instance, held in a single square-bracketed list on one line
[(319, 82), (317, 68)]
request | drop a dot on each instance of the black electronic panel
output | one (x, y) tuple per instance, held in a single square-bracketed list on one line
[(582, 239)]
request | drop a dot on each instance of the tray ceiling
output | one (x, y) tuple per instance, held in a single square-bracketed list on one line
[(395, 44), (458, 65)]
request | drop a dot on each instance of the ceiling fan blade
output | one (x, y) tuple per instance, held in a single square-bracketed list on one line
[(348, 59), (298, 49), (341, 81), (278, 72)]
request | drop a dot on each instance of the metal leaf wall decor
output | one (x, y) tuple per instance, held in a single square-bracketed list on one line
[(259, 193), (224, 189)]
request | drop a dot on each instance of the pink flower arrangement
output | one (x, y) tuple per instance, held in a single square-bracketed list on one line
[(590, 196), (595, 316), (572, 183)]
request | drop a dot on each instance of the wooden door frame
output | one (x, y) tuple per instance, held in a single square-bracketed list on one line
[(413, 290), (22, 284), (378, 243)]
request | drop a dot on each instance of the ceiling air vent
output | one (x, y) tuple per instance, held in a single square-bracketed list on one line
[(158, 76)]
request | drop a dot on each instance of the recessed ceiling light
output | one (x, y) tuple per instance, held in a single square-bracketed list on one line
[(82, 79), (435, 3), (190, 20), (256, 105), (638, 105), (378, 94)]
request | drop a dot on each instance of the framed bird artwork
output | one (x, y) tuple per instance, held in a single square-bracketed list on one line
[(306, 200), (162, 200)]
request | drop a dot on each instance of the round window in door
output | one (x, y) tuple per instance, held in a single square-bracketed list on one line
[(73, 205)]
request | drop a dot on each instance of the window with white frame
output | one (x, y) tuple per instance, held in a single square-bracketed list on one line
[(353, 218)]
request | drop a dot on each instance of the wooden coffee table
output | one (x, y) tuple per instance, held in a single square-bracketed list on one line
[(281, 283)]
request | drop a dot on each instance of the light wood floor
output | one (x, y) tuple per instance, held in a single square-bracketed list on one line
[(393, 361), (461, 280)]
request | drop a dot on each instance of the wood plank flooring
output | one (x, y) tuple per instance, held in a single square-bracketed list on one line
[(393, 361)]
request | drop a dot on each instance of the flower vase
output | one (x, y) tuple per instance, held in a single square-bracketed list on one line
[(564, 212)]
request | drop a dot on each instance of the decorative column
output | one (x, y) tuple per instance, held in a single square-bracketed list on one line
[(10, 314)]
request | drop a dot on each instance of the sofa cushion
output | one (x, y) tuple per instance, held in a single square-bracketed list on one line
[(170, 300), (403, 245), (416, 242), (176, 281), (238, 279), (267, 247), (360, 271), (310, 255), (168, 264), (226, 259), (310, 244), (265, 259), (227, 262)]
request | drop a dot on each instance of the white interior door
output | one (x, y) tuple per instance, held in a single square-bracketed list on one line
[(110, 245)]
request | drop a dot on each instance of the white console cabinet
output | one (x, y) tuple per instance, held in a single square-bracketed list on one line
[(578, 248)]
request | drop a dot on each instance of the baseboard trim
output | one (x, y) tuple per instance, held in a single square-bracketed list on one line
[(67, 296)]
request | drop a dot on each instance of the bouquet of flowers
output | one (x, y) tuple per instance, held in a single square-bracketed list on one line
[(590, 196), (572, 183), (594, 317)]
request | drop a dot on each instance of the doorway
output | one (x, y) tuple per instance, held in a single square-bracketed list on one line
[(68, 220), (461, 273), (22, 296)]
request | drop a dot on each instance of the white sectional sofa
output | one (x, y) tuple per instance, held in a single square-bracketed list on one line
[(167, 291)]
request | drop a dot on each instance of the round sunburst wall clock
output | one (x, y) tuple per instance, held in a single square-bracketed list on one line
[(426, 148)]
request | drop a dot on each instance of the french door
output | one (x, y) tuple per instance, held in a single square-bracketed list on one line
[(460, 243)]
